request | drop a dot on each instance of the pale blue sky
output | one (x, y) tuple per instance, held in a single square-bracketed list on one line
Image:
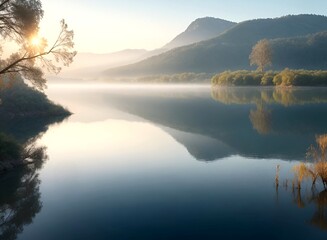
[(110, 25)]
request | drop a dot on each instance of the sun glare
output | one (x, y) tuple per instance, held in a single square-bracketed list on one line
[(36, 41)]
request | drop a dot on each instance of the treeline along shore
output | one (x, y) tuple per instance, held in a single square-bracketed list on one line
[(286, 78)]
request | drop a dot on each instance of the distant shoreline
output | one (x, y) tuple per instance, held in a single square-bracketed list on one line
[(286, 78)]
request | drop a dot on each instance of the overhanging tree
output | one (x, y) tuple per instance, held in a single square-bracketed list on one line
[(19, 24)]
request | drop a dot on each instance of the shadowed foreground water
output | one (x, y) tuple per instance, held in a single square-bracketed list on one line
[(174, 163)]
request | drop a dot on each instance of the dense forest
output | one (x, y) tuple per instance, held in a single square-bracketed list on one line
[(309, 52)]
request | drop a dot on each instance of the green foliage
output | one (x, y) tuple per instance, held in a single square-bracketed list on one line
[(267, 78), (301, 78), (20, 100), (286, 77), (238, 78)]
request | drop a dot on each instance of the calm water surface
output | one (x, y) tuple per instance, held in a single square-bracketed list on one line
[(171, 163)]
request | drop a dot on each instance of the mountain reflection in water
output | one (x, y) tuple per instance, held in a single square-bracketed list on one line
[(251, 122), (125, 165)]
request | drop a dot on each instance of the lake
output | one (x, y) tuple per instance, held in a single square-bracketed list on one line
[(170, 162)]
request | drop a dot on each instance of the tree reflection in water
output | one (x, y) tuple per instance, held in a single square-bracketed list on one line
[(264, 98), (280, 96), (261, 119), (305, 199), (319, 199), (319, 218), (20, 198), (314, 172)]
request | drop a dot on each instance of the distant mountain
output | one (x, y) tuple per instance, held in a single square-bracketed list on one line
[(199, 30), (88, 65), (228, 51)]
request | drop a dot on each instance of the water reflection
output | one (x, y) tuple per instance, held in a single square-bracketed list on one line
[(268, 99), (19, 199), (252, 122), (282, 96), (311, 174), (308, 198), (319, 218), (23, 129), (261, 119), (124, 173)]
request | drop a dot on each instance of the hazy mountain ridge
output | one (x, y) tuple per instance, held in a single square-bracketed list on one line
[(199, 30), (228, 51), (88, 65)]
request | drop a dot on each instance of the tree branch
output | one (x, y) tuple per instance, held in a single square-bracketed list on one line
[(3, 3)]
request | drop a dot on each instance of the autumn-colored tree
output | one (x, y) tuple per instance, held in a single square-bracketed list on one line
[(261, 55), (318, 154), (19, 24), (318, 169)]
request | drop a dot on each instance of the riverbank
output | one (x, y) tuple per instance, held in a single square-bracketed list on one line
[(24, 113), (285, 78)]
